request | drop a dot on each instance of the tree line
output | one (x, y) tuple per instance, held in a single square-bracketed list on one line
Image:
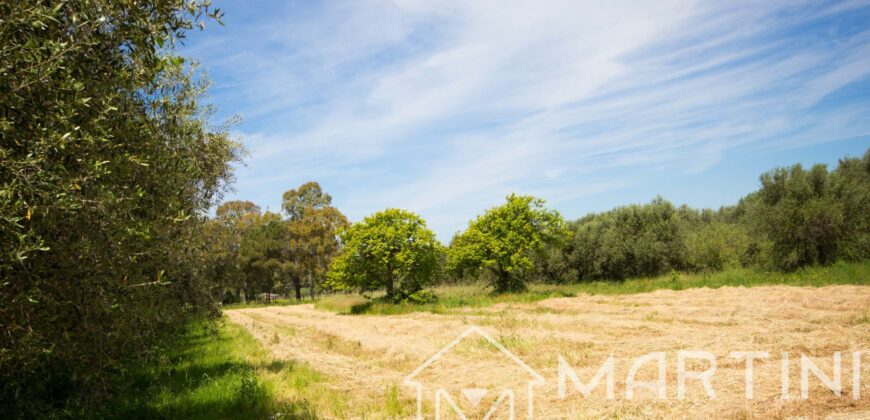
[(797, 217)]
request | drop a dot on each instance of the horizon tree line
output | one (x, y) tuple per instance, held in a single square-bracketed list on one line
[(797, 217)]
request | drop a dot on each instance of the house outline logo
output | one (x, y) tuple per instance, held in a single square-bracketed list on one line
[(474, 395)]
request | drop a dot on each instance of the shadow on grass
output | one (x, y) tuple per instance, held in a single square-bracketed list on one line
[(208, 374), (360, 308)]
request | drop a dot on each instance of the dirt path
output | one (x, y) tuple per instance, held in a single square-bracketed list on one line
[(364, 355)]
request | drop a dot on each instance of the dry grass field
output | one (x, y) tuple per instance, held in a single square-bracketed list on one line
[(365, 358)]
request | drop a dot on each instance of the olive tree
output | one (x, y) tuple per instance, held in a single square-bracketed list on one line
[(813, 216), (108, 164)]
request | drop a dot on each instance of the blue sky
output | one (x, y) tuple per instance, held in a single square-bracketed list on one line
[(445, 107)]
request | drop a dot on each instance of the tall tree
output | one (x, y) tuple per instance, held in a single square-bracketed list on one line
[(224, 235), (264, 253), (798, 211), (314, 226), (236, 210), (309, 196), (313, 244)]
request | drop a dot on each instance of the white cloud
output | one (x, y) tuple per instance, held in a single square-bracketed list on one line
[(445, 107)]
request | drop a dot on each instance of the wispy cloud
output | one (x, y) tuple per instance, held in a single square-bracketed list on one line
[(444, 107)]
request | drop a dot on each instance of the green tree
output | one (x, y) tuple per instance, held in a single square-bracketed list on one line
[(630, 241), (313, 244), (798, 212), (716, 246), (223, 238), (813, 216), (850, 183), (108, 163), (309, 196), (314, 226), (235, 211), (391, 249), (502, 241), (265, 253)]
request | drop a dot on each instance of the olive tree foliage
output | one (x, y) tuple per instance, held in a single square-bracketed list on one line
[(797, 211), (391, 250), (850, 183), (503, 240), (717, 245), (107, 165), (813, 216), (630, 241), (797, 217)]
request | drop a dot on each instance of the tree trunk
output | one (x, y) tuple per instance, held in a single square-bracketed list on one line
[(297, 285), (390, 285), (505, 283), (311, 286)]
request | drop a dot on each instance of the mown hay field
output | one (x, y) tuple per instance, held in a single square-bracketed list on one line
[(366, 358)]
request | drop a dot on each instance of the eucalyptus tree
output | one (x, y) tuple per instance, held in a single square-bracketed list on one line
[(309, 196), (314, 243), (313, 228), (233, 222), (264, 251)]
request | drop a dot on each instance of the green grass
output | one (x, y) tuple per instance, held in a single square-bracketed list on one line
[(478, 295), (217, 371), (261, 304)]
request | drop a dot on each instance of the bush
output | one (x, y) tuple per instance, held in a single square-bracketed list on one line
[(850, 183), (717, 246), (422, 297)]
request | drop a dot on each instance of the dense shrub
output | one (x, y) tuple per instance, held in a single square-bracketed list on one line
[(717, 246), (797, 211), (636, 240), (553, 265), (850, 183)]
